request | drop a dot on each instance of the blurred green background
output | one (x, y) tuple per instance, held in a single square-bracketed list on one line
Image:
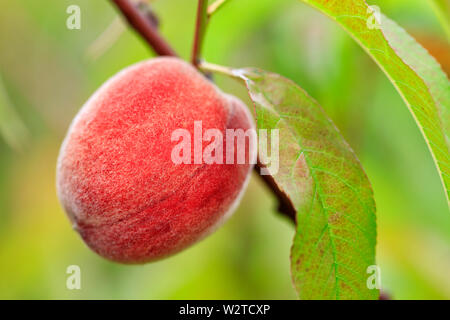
[(48, 71)]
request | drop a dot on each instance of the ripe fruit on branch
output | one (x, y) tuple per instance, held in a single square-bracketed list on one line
[(117, 180)]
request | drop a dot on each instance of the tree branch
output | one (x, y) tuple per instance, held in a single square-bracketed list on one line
[(285, 206), (200, 30), (144, 27)]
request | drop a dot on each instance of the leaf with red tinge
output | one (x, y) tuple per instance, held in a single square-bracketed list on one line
[(336, 228), (415, 74), (318, 172)]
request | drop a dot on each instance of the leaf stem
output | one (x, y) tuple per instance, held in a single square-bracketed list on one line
[(215, 6), (206, 66)]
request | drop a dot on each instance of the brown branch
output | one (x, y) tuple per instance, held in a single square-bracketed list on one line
[(146, 10), (285, 206), (200, 29), (149, 32), (144, 27)]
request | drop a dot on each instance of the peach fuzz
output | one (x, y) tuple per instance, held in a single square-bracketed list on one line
[(115, 177)]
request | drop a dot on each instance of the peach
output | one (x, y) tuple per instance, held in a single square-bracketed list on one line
[(116, 177)]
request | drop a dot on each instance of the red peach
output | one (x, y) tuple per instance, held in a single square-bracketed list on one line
[(115, 176)]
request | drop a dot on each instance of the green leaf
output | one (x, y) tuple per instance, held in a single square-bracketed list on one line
[(415, 74), (317, 170), (421, 62), (336, 229), (12, 129)]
